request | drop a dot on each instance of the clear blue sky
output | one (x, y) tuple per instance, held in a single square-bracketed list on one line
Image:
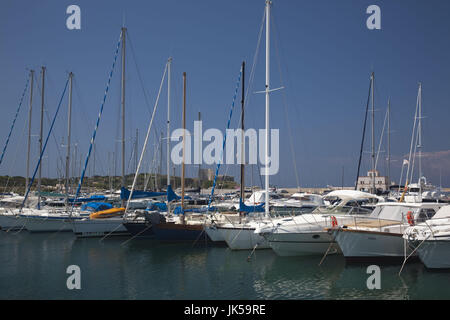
[(326, 55)]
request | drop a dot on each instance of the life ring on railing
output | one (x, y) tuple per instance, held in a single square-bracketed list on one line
[(334, 222), (410, 218)]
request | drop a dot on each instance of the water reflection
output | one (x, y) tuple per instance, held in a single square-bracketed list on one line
[(34, 267)]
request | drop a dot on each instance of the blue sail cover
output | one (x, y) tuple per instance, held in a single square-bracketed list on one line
[(244, 208), (92, 198), (160, 206), (179, 210), (96, 206), (171, 195), (139, 194)]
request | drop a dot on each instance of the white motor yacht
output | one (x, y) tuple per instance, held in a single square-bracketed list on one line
[(431, 239)]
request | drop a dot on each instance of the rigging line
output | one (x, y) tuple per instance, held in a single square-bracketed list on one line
[(48, 119), (252, 77), (152, 165), (363, 137), (225, 137), (83, 113), (146, 99), (146, 141), (98, 119), (381, 139), (13, 163), (14, 121), (226, 165), (412, 140), (291, 142), (44, 147)]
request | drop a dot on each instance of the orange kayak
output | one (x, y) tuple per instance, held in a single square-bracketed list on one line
[(114, 212)]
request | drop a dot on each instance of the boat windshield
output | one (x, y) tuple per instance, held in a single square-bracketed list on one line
[(397, 213)]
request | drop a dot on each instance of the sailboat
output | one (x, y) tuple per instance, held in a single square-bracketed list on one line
[(254, 204), (140, 224), (242, 236), (380, 234), (182, 227), (9, 219), (109, 221), (47, 219)]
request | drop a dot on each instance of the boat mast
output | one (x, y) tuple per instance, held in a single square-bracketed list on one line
[(30, 112), (69, 121), (242, 134), (40, 135), (184, 143), (389, 142), (123, 110), (372, 78), (200, 156), (268, 3), (169, 63), (419, 142)]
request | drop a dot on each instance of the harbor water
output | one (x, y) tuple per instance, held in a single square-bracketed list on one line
[(34, 266)]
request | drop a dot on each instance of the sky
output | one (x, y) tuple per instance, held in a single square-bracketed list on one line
[(322, 53)]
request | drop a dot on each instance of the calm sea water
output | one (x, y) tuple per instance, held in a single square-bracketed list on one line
[(33, 266)]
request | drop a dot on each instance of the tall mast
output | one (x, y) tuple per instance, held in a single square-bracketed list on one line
[(389, 141), (124, 30), (40, 135), (242, 133), (30, 112), (200, 154), (419, 142), (169, 63), (184, 141), (372, 78), (268, 3), (69, 122), (160, 159)]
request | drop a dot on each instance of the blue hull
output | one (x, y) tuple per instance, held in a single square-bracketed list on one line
[(140, 229), (179, 232)]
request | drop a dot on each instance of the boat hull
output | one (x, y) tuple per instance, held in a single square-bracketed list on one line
[(180, 232), (360, 244), (214, 234), (243, 238), (303, 244), (435, 254), (99, 227), (11, 223), (140, 229), (47, 224)]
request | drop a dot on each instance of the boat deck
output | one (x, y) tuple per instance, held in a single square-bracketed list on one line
[(372, 224)]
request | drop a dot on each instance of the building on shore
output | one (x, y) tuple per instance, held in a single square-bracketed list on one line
[(365, 183)]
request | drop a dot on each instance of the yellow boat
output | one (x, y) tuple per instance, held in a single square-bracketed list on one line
[(114, 212)]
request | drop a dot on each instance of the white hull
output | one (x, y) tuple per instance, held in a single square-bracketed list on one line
[(99, 227), (214, 234), (363, 244), (302, 244), (243, 238), (10, 222), (45, 224), (435, 254)]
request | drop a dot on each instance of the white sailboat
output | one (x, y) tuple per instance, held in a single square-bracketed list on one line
[(108, 224), (242, 236)]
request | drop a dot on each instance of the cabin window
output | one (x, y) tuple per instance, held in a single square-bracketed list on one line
[(425, 214)]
